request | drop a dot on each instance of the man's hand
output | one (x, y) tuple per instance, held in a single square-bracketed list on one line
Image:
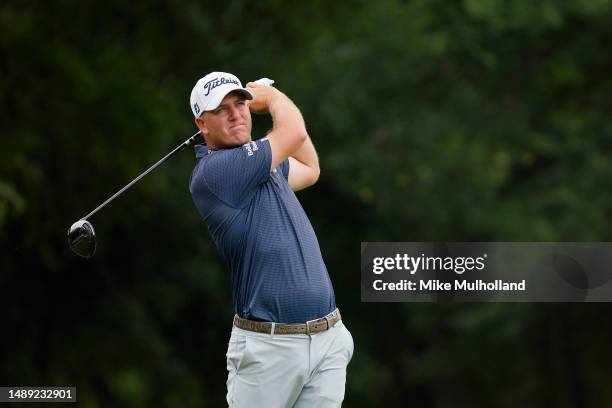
[(263, 95)]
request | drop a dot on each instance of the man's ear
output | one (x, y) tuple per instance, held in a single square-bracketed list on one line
[(201, 124)]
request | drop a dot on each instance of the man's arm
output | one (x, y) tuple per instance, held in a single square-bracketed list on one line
[(303, 166), (288, 132)]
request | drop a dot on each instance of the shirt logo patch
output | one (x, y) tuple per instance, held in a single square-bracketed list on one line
[(248, 148)]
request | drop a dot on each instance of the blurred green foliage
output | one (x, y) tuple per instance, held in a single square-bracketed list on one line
[(434, 121)]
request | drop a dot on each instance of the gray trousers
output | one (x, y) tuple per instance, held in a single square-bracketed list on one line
[(288, 370)]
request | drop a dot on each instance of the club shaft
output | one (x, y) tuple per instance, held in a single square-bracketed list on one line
[(188, 142)]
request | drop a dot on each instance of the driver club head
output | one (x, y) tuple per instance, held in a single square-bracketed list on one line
[(82, 238)]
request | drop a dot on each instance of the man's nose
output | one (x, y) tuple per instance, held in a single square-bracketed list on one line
[(234, 112)]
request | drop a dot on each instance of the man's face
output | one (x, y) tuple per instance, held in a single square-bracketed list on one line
[(229, 125)]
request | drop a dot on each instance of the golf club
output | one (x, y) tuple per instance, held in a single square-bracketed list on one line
[(82, 236)]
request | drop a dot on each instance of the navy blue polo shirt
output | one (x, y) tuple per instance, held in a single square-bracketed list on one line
[(262, 233)]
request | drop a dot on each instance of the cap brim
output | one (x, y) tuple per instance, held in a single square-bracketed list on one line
[(216, 101)]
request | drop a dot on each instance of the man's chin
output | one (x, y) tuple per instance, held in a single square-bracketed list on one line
[(241, 137)]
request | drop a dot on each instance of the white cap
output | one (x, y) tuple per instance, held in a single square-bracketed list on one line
[(209, 91)]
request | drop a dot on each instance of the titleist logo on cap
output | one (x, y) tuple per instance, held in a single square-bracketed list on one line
[(213, 83)]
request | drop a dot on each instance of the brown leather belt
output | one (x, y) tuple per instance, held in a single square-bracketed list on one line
[(310, 327)]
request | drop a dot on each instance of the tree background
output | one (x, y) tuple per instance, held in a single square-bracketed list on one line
[(472, 120)]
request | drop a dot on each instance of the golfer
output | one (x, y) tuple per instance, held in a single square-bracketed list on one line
[(288, 346)]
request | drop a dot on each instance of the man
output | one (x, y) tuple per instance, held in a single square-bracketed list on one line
[(288, 346)]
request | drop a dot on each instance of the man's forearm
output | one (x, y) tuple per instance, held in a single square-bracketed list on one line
[(307, 154), (286, 117)]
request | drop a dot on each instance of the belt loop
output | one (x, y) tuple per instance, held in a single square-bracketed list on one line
[(273, 329), (327, 320)]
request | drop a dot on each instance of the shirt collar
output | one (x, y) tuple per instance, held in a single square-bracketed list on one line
[(202, 150)]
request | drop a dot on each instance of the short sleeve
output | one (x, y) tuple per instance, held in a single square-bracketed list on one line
[(234, 174), (284, 166)]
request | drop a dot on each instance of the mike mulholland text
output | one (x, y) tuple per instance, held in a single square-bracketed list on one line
[(437, 285)]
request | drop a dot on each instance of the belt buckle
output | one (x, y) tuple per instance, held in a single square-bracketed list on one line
[(308, 325)]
